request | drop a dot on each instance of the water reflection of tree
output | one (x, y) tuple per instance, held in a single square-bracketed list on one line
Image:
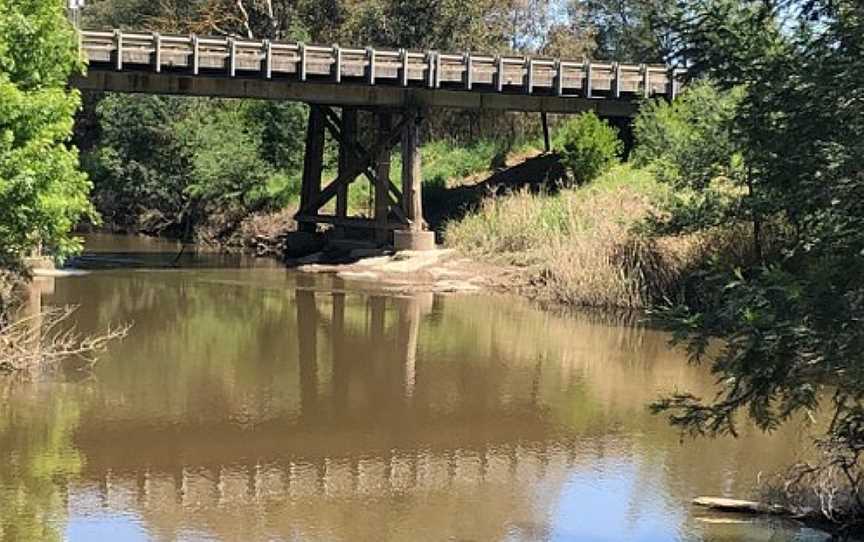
[(37, 459)]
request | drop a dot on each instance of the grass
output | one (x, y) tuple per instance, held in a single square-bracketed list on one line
[(582, 246)]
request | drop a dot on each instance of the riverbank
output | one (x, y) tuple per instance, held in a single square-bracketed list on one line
[(517, 230)]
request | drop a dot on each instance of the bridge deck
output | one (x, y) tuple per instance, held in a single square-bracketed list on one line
[(227, 67)]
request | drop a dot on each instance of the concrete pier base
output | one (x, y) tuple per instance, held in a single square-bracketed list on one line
[(413, 240)]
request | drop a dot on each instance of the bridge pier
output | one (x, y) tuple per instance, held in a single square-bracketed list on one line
[(397, 215)]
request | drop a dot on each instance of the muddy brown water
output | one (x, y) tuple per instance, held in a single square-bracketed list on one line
[(253, 403)]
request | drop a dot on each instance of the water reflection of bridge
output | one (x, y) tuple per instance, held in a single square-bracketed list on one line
[(369, 426), (414, 472)]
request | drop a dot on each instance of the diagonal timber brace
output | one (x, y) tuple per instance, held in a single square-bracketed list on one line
[(363, 165), (357, 154)]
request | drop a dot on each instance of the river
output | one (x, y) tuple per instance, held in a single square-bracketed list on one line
[(250, 402)]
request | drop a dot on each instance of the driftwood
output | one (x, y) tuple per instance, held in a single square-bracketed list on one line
[(43, 340), (739, 506)]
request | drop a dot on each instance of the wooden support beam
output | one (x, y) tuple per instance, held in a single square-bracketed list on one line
[(370, 73), (412, 177), (348, 134), (313, 163), (403, 69), (672, 89), (347, 222), (430, 69), (382, 177), (646, 81)]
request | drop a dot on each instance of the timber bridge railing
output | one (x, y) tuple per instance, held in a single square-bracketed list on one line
[(386, 82), (514, 79)]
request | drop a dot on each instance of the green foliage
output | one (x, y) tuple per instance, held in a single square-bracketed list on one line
[(691, 144), (588, 146), (169, 164), (691, 141), (443, 161), (225, 150), (43, 195), (141, 168), (789, 322), (626, 30)]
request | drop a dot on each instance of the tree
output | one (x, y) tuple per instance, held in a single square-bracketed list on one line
[(625, 30), (167, 165), (790, 324), (43, 195)]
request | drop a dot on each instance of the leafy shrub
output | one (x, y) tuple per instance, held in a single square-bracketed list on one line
[(689, 142), (588, 146), (690, 145)]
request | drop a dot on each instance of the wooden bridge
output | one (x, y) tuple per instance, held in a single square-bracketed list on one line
[(398, 87)]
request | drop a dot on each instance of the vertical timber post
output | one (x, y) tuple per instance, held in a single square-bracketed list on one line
[(382, 179), (349, 129), (412, 177), (312, 165), (415, 237)]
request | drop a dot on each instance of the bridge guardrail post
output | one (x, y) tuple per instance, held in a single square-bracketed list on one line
[(587, 88), (370, 56), (430, 69), (559, 77), (646, 81), (232, 57), (268, 59), (468, 61), (196, 58), (157, 52), (302, 72), (337, 64), (118, 50)]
